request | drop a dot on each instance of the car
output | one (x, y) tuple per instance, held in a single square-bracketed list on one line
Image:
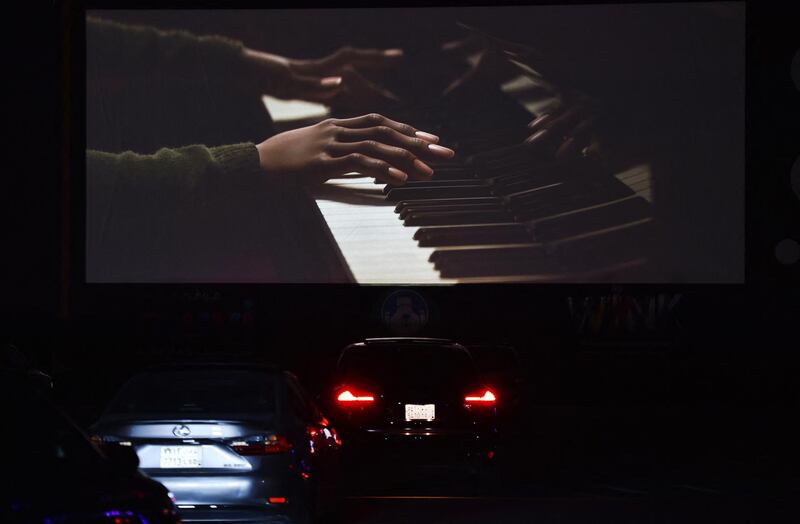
[(413, 399), (232, 442), (54, 473)]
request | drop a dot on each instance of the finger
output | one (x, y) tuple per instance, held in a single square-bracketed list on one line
[(358, 90), (487, 66), (551, 126), (464, 46), (318, 89), (397, 157), (418, 145), (366, 58), (367, 166), (457, 83), (593, 150), (375, 120), (567, 148), (539, 137), (583, 132), (538, 122)]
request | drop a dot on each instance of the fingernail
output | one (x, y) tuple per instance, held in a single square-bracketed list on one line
[(422, 166), (331, 81), (393, 52), (539, 120), (397, 174), (441, 150), (536, 136), (427, 136)]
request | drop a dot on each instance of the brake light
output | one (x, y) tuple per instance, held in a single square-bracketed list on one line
[(348, 396), (486, 399), (270, 445), (277, 500)]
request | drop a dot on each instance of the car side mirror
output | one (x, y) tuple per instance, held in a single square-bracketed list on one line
[(122, 458)]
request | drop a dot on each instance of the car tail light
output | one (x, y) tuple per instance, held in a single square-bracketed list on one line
[(487, 398), (269, 445), (277, 500), (350, 396), (105, 442), (336, 439)]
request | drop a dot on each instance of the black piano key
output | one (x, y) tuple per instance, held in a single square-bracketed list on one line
[(512, 151), (516, 181), (455, 162), (450, 208), (562, 199), (463, 235), (610, 215), (453, 173), (500, 267), (492, 261), (438, 218), (401, 193), (436, 183), (631, 237), (456, 255), (403, 204), (506, 163)]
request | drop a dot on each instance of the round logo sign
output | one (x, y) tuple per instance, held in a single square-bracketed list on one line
[(404, 312)]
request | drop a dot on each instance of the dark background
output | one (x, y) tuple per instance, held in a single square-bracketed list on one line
[(715, 383)]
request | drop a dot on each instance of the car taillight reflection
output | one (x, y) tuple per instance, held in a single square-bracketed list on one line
[(487, 398), (350, 396), (269, 445)]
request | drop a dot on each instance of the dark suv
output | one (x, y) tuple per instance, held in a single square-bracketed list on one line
[(413, 398)]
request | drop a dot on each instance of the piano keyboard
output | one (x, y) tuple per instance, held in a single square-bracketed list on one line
[(499, 217), (379, 247)]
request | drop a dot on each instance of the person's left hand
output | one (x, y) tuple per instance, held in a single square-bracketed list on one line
[(485, 60), (333, 80)]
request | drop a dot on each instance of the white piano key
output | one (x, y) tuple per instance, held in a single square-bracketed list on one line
[(292, 110), (377, 247), (639, 178)]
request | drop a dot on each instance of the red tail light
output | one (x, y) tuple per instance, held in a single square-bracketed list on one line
[(487, 398), (270, 445), (277, 500), (351, 396)]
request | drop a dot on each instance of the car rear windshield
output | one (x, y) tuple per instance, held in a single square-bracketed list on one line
[(198, 392), (408, 363)]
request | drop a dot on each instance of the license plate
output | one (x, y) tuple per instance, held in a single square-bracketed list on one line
[(181, 456), (420, 411)]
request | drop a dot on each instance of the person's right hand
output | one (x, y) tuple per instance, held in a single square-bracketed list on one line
[(371, 145), (569, 130)]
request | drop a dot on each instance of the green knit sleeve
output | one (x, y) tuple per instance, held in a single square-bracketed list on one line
[(161, 217), (121, 50)]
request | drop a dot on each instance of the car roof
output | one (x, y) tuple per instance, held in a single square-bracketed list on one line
[(399, 342), (406, 340), (212, 366)]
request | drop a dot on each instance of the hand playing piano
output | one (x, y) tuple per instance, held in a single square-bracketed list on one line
[(486, 63), (333, 80), (371, 145), (568, 131)]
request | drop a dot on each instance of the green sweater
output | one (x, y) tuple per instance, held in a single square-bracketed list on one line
[(177, 214)]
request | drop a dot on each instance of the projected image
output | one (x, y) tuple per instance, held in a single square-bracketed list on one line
[(541, 144)]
